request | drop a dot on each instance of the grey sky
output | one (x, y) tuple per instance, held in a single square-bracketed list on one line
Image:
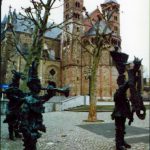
[(134, 24)]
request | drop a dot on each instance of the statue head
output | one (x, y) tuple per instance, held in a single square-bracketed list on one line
[(120, 60), (16, 78), (137, 63)]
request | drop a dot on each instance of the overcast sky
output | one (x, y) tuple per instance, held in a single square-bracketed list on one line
[(134, 23)]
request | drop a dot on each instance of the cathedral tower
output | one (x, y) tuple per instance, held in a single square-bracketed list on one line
[(71, 49), (112, 7), (108, 71)]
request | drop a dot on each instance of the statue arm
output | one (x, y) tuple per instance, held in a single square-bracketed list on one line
[(51, 91)]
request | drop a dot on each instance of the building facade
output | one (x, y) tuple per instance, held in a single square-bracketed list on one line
[(63, 59), (75, 61)]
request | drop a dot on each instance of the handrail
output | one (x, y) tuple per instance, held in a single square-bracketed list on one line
[(71, 98)]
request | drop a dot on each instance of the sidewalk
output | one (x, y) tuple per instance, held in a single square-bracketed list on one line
[(68, 131)]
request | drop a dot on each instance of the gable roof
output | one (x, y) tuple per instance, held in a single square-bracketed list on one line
[(27, 26), (101, 26)]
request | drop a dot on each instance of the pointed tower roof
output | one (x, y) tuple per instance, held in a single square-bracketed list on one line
[(10, 18), (109, 1)]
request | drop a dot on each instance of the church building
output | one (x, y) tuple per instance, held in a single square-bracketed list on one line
[(63, 59)]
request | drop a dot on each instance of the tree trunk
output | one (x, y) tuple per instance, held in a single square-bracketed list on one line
[(34, 54), (92, 116)]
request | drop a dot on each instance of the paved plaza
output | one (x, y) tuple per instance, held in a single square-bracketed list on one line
[(70, 131)]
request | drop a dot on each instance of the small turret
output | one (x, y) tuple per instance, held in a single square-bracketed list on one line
[(111, 6)]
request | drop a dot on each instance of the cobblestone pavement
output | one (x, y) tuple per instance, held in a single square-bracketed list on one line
[(70, 131)]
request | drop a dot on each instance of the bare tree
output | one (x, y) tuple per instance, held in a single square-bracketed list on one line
[(94, 48), (36, 15)]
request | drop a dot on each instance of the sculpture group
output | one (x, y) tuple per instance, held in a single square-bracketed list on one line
[(24, 112)]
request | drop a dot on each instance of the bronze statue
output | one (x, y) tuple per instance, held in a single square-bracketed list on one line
[(32, 108), (13, 93), (24, 113), (122, 108), (135, 83)]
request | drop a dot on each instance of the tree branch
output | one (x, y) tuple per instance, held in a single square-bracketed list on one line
[(17, 48), (42, 3)]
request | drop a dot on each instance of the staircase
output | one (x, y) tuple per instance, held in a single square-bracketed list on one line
[(61, 103), (73, 102)]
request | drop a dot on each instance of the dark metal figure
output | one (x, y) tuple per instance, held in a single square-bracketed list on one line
[(122, 108), (134, 75), (32, 108), (14, 94)]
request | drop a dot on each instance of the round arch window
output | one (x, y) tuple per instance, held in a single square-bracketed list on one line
[(52, 72)]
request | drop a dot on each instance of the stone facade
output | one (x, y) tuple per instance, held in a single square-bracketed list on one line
[(75, 61), (18, 63), (63, 60)]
